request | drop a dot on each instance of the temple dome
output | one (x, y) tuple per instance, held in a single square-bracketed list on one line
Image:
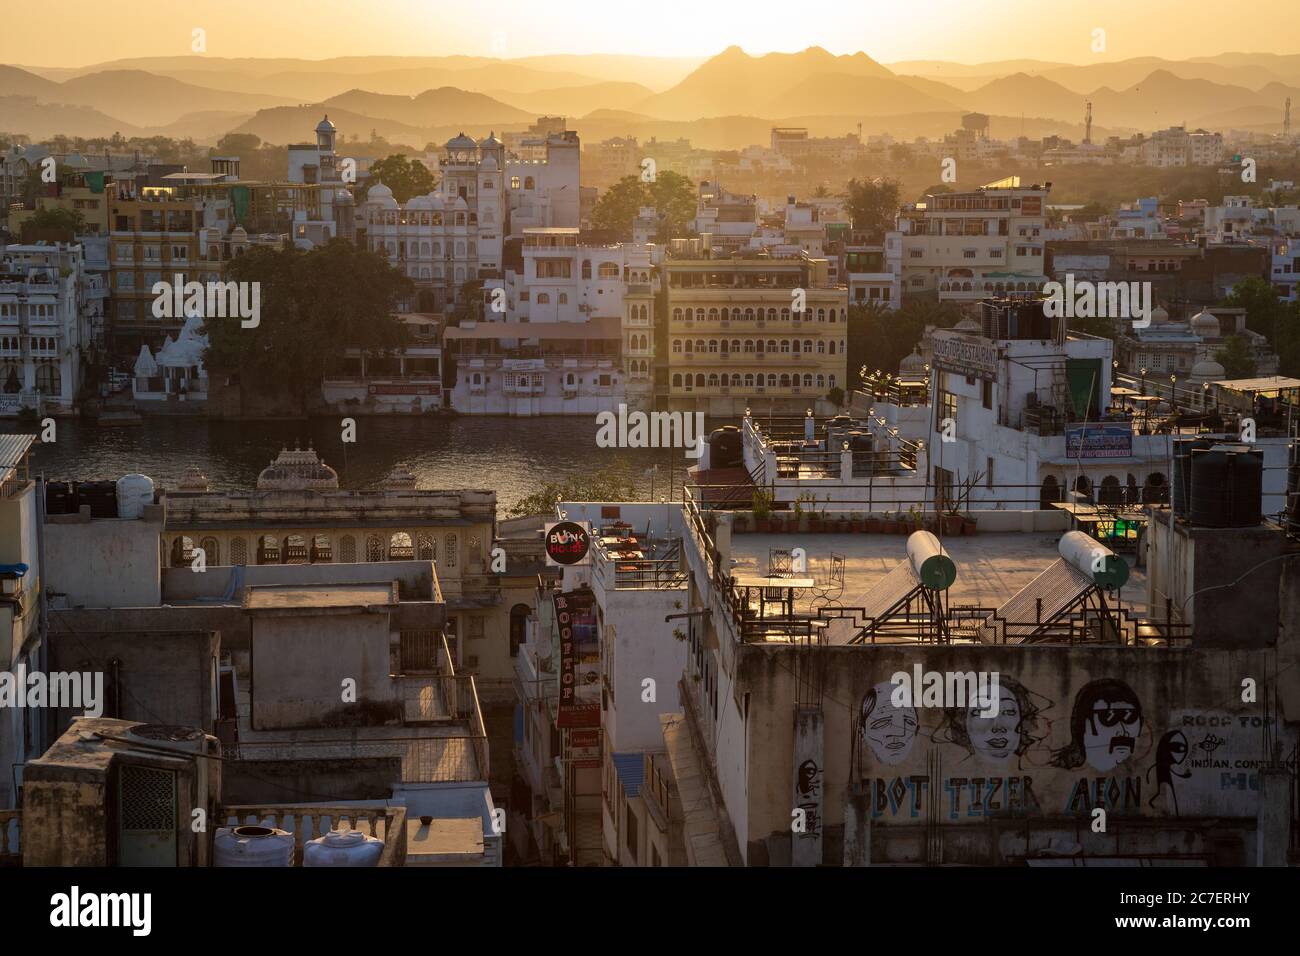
[(1205, 324), (297, 470)]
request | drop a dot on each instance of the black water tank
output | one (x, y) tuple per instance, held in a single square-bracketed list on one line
[(59, 497), (725, 449), (1227, 487), (1183, 471), (100, 495)]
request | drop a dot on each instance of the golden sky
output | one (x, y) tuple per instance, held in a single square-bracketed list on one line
[(81, 32)]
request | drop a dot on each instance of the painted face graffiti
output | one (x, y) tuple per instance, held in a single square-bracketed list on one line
[(888, 730), (1105, 724), (996, 737)]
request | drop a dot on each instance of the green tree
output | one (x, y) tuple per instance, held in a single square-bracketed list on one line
[(1236, 358), (872, 206), (314, 306), (238, 144), (1263, 308), (880, 338), (405, 177), (614, 482), (671, 194), (55, 218)]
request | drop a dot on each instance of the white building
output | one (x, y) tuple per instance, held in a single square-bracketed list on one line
[(176, 373), (970, 245), (44, 325)]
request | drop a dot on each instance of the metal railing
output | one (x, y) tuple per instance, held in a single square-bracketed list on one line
[(427, 759), (308, 821)]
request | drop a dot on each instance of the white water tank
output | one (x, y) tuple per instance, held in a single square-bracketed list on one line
[(133, 493), (343, 848), (253, 846)]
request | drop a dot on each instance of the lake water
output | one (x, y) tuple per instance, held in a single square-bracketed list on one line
[(513, 456)]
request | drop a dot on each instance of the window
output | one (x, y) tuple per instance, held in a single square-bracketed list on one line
[(453, 550), (987, 390), (631, 829), (474, 628)]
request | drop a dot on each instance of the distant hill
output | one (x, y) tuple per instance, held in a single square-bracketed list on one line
[(149, 100), (848, 95), (1028, 95), (733, 81), (575, 100), (283, 125), (444, 105), (1163, 99), (24, 114)]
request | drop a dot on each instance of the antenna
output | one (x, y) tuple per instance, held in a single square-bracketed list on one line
[(1286, 120), (1087, 126)]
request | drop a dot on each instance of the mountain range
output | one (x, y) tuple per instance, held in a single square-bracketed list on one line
[(412, 99)]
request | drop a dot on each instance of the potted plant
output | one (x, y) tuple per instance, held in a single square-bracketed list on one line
[(857, 523), (968, 525), (797, 517), (952, 523), (762, 506), (872, 524), (890, 523), (815, 518), (913, 522)]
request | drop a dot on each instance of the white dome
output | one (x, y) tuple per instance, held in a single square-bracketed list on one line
[(1205, 324), (489, 162), (420, 202), (1159, 316), (325, 126), (1207, 370), (912, 363), (145, 366), (381, 195)]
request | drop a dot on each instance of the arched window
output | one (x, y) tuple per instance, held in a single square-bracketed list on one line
[(182, 552), (211, 551), (564, 298), (690, 347), (1083, 487), (322, 550), (425, 550), (699, 380), (295, 549), (543, 298), (238, 551), (400, 547), (528, 182), (807, 380), (713, 379), (374, 548), (586, 268), (677, 380), (268, 549), (348, 549), (771, 380), (1110, 492), (48, 379), (749, 380), (785, 380), (821, 381), (609, 270), (1048, 493), (677, 346), (453, 550)]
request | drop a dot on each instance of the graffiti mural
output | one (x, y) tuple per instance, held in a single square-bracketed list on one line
[(1066, 749)]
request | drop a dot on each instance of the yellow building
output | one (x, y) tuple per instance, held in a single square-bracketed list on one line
[(753, 331)]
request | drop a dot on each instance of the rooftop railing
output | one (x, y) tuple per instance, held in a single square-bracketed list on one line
[(308, 821)]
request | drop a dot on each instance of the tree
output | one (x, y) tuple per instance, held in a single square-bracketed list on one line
[(314, 306), (872, 206), (59, 219), (1236, 358), (880, 338), (405, 177), (671, 195), (238, 144), (612, 483)]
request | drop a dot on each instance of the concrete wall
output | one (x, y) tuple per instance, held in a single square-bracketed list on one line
[(301, 661), (1005, 786), (104, 562), (308, 781), (159, 677)]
